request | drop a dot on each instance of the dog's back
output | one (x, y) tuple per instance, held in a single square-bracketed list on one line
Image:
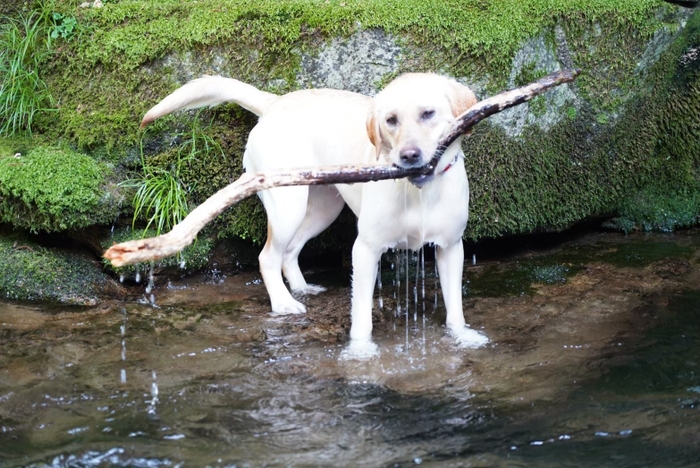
[(310, 128)]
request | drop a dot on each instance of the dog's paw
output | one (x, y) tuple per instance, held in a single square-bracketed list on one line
[(360, 350), (468, 338), (288, 307), (309, 290)]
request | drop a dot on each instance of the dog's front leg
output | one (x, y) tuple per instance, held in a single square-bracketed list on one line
[(364, 275), (450, 261)]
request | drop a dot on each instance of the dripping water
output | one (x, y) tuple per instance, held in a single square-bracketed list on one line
[(123, 341), (437, 279), (406, 259), (154, 396), (422, 274), (397, 282), (415, 283), (379, 284), (409, 292), (150, 296)]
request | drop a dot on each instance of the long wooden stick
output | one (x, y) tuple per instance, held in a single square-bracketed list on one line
[(184, 233)]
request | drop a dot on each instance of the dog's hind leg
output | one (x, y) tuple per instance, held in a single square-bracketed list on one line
[(323, 207), (286, 210)]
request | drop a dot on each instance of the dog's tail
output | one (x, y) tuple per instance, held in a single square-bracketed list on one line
[(210, 91)]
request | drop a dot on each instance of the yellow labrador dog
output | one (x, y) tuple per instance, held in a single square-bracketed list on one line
[(319, 127)]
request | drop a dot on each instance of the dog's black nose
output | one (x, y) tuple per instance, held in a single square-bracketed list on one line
[(410, 155)]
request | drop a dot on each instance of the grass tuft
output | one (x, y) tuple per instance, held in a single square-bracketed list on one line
[(162, 196), (25, 44)]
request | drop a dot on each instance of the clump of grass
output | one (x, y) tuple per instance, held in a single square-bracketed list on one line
[(162, 195), (25, 44)]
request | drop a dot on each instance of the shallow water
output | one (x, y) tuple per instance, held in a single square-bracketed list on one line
[(594, 361)]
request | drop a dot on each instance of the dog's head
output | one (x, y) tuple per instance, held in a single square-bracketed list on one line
[(411, 114)]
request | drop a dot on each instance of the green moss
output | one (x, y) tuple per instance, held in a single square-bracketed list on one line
[(668, 196), (659, 209), (54, 189), (29, 271), (646, 165)]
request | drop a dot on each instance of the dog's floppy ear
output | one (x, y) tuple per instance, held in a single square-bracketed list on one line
[(461, 98), (373, 131)]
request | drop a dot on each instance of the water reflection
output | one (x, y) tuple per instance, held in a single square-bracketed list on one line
[(599, 369)]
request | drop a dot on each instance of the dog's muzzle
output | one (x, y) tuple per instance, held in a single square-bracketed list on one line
[(421, 180), (411, 159)]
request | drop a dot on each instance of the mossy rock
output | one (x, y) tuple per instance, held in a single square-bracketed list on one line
[(55, 189), (656, 208), (30, 271)]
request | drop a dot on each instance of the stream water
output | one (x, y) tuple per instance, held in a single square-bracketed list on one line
[(594, 361)]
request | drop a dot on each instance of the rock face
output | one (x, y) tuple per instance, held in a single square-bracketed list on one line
[(551, 108), (356, 63), (621, 142)]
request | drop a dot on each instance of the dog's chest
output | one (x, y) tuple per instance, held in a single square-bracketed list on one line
[(408, 218), (418, 225)]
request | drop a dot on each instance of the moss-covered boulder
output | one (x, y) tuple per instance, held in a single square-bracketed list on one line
[(55, 189), (31, 271)]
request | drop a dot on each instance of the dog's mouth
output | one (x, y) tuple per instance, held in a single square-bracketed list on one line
[(421, 180), (422, 176)]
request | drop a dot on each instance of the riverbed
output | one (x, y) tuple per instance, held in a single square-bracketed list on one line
[(593, 360)]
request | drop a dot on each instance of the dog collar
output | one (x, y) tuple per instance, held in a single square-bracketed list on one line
[(454, 161)]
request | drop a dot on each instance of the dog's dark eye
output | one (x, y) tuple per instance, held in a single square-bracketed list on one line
[(392, 120), (427, 115)]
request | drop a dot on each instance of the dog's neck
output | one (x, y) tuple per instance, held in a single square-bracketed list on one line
[(452, 163)]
